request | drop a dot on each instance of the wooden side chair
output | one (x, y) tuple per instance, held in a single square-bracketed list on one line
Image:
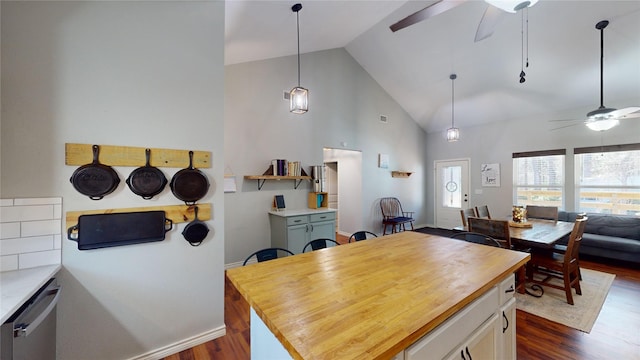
[(565, 267), (318, 244), (483, 212), (361, 235), (394, 216), (542, 212), (465, 214), (497, 229), (267, 254)]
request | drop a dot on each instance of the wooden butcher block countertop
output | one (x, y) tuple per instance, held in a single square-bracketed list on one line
[(370, 299)]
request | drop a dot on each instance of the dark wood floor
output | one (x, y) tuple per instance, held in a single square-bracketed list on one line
[(616, 334)]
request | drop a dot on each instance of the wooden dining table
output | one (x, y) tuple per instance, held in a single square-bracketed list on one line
[(541, 234)]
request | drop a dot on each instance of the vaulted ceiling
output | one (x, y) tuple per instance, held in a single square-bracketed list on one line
[(413, 65)]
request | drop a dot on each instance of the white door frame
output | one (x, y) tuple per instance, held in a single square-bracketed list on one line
[(466, 203)]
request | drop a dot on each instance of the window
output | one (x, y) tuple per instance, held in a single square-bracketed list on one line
[(608, 179), (538, 178)]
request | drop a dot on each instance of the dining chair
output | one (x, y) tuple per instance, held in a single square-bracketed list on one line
[(551, 265), (483, 212), (476, 238), (542, 212), (393, 215), (267, 254), (497, 229), (318, 244), (361, 235), (465, 214)]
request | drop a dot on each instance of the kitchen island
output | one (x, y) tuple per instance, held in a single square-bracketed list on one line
[(371, 299)]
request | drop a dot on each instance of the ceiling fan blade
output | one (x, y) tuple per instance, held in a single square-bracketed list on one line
[(566, 126), (626, 113), (432, 10), (490, 19)]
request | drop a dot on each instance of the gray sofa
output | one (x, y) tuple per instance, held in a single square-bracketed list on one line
[(608, 236)]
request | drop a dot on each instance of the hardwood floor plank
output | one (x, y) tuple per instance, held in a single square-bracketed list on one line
[(615, 335)]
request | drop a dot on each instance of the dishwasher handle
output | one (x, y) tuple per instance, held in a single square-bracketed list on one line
[(24, 329)]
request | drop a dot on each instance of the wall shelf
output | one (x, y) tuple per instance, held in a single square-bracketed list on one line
[(401, 174), (268, 175)]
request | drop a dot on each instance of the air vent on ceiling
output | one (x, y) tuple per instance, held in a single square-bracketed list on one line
[(383, 118)]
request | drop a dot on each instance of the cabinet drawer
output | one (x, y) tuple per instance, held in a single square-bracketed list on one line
[(297, 220), (507, 289), (322, 216), (450, 334)]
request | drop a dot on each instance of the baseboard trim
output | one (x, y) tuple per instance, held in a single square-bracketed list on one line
[(183, 344)]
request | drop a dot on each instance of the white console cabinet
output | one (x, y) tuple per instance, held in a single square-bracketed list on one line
[(292, 229)]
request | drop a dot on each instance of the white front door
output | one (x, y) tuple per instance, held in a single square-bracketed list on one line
[(452, 192)]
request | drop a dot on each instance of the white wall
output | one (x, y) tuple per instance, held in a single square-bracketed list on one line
[(145, 74), (495, 143), (345, 105)]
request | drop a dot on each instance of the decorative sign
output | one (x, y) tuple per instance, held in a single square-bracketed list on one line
[(278, 201), (383, 161), (229, 183), (491, 175)]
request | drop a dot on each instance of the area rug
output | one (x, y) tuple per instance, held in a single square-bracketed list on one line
[(583, 314)]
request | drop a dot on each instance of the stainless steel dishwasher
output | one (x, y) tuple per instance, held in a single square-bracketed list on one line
[(30, 333)]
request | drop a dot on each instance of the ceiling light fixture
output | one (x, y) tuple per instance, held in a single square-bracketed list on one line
[(298, 96), (453, 133), (602, 118), (511, 6)]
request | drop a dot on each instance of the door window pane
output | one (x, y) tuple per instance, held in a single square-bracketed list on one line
[(452, 191)]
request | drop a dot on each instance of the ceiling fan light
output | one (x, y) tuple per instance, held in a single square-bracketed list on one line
[(602, 125), (453, 134), (511, 6), (601, 113), (299, 100)]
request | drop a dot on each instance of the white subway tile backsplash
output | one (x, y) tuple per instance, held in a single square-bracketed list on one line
[(9, 230), (6, 202), (41, 258), (30, 232), (38, 201), (36, 228), (9, 262), (26, 213), (23, 245)]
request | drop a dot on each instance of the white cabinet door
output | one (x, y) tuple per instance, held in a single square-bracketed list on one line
[(323, 230), (482, 344), (507, 334)]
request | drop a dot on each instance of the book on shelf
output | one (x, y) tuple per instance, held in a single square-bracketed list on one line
[(283, 167)]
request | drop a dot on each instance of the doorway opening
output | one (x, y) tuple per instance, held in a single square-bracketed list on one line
[(343, 183)]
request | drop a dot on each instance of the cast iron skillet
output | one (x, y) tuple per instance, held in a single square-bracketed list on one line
[(95, 180), (147, 181), (195, 231), (190, 184)]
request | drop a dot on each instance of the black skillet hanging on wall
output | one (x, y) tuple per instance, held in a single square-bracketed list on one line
[(190, 184), (95, 179), (147, 181), (195, 231)]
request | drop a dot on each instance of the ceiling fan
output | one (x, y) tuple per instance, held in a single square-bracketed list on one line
[(490, 19), (604, 118)]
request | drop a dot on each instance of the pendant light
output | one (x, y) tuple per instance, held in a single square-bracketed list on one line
[(453, 133), (298, 96)]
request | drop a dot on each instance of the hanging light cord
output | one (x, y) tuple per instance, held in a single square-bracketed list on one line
[(524, 39), (452, 77), (298, 32)]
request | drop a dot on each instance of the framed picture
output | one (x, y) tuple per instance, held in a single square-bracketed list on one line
[(383, 161), (491, 175)]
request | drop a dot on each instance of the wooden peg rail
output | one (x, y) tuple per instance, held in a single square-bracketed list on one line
[(81, 154), (177, 213)]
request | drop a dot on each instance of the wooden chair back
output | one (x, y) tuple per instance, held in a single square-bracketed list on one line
[(497, 229), (465, 214), (477, 238), (575, 239), (542, 212), (483, 212), (390, 207)]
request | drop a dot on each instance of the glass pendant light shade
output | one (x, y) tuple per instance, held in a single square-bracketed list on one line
[(511, 6), (602, 125), (453, 134), (299, 100)]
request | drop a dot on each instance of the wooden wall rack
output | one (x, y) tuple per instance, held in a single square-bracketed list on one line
[(400, 174), (177, 213), (81, 154)]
